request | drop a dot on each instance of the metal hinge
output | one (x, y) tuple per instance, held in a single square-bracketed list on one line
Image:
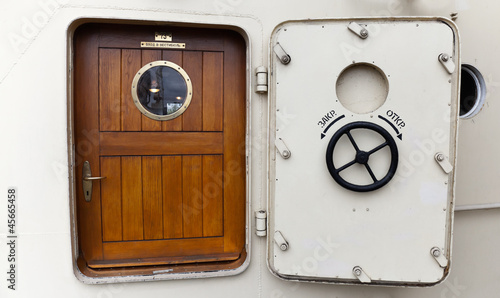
[(261, 73), (261, 223)]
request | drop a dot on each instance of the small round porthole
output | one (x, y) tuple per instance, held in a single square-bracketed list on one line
[(472, 91), (162, 90)]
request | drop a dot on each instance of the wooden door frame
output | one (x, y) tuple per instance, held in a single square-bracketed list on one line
[(88, 275)]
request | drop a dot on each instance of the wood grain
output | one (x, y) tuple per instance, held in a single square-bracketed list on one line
[(192, 212), (212, 91), (212, 196), (109, 89), (192, 117), (131, 117), (161, 143), (111, 199), (86, 112), (132, 217), (152, 197), (172, 196)]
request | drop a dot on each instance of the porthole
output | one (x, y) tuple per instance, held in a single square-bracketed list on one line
[(162, 90), (472, 91)]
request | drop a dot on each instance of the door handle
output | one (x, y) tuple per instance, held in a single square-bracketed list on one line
[(87, 181), (88, 178)]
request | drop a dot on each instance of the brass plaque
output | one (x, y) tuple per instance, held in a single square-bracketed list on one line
[(163, 36), (164, 45)]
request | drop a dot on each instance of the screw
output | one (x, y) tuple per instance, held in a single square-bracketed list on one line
[(285, 59), (363, 33), (440, 157), (436, 252), (357, 271), (283, 246), (444, 57), (286, 154)]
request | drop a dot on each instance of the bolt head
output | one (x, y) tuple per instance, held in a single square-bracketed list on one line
[(440, 157), (283, 246), (286, 153), (436, 252), (285, 59), (357, 271), (445, 57), (364, 33)]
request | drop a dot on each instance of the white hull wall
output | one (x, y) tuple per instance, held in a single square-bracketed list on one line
[(34, 152)]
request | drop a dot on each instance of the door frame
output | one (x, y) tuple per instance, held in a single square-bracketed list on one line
[(142, 273)]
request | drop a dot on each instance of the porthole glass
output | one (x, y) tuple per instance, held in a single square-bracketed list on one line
[(161, 90)]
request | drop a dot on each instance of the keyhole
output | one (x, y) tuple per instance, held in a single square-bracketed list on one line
[(87, 193)]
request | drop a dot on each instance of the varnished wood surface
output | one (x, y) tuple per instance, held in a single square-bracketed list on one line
[(175, 190), (152, 143)]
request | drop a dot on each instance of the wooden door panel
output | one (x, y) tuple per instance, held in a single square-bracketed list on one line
[(212, 91), (192, 117), (111, 199), (175, 190), (109, 90), (132, 218), (172, 197), (152, 197), (213, 206), (131, 117)]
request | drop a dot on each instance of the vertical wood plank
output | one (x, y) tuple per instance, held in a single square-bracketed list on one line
[(131, 117), (111, 199), (192, 118), (212, 196), (109, 89), (86, 112), (152, 197), (234, 143), (149, 124), (132, 198), (172, 196), (192, 196), (212, 91), (174, 124)]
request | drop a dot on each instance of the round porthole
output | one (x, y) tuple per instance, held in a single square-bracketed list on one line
[(162, 90), (472, 93)]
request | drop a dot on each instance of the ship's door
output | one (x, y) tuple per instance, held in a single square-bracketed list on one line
[(159, 186)]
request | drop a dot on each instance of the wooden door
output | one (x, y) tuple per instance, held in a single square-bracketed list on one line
[(175, 190)]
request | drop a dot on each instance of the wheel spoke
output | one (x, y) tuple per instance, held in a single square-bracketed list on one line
[(378, 148), (346, 166), (371, 172), (352, 141)]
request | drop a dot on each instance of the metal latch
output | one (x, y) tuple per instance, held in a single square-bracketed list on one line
[(282, 148), (439, 257), (361, 275), (261, 223), (447, 62), (261, 73), (282, 55), (442, 160), (358, 30), (280, 240)]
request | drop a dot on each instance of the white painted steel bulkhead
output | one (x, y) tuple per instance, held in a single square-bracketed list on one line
[(363, 198)]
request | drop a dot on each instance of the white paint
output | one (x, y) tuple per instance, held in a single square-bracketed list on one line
[(33, 127)]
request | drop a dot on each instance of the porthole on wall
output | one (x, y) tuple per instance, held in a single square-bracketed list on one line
[(162, 90), (472, 93)]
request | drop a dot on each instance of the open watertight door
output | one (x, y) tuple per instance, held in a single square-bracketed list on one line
[(363, 117)]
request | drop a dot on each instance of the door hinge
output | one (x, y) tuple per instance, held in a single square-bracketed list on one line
[(261, 73), (261, 223)]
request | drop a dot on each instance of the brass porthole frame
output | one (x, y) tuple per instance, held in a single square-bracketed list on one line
[(181, 71)]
